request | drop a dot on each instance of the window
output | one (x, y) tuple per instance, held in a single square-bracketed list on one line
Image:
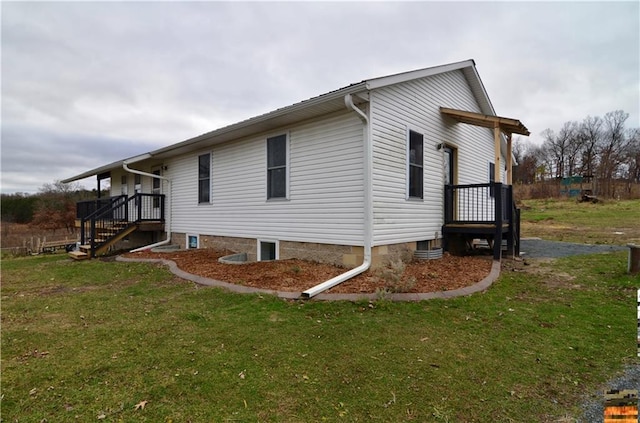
[(137, 183), (277, 167), (137, 186), (204, 178), (156, 188), (267, 250), (124, 188), (193, 241), (415, 159)]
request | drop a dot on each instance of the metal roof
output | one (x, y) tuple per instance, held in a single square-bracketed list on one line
[(304, 110)]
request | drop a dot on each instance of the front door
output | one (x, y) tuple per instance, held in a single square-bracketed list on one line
[(449, 176), (449, 166)]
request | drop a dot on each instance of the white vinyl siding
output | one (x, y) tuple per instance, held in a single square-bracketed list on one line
[(144, 185), (415, 105), (325, 203)]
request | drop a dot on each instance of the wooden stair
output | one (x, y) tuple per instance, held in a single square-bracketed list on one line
[(105, 238), (79, 254)]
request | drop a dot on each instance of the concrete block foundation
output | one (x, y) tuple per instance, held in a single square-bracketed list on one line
[(348, 256)]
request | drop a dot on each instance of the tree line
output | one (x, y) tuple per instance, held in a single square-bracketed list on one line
[(53, 207), (602, 148)]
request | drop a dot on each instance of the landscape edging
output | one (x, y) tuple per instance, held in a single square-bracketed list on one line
[(201, 280)]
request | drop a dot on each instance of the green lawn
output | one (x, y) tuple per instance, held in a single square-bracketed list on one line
[(88, 341), (608, 222)]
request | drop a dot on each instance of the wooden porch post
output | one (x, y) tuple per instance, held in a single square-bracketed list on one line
[(497, 190), (509, 160), (496, 142)]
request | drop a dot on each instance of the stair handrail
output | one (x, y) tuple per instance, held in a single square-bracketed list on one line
[(121, 206), (91, 216)]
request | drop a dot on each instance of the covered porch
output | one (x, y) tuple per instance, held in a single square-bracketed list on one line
[(486, 210)]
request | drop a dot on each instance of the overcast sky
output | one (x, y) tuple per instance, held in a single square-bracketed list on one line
[(85, 84)]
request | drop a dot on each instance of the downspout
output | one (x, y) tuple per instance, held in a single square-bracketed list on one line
[(167, 205), (368, 210)]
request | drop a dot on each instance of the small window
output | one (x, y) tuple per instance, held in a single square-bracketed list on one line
[(156, 189), (277, 167), (423, 245), (204, 178), (124, 188), (137, 186), (267, 250), (193, 241), (415, 159)]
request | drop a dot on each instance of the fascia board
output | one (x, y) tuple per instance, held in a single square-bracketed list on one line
[(416, 74)]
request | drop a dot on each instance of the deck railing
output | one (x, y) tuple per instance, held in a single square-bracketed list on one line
[(477, 203), (117, 214), (88, 207), (484, 204)]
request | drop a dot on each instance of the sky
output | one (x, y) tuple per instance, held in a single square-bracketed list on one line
[(88, 83)]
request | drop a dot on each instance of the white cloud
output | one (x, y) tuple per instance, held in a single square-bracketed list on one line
[(88, 83)]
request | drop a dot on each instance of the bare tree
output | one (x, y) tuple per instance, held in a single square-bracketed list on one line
[(559, 148), (528, 159), (611, 150), (590, 132), (570, 132), (632, 156)]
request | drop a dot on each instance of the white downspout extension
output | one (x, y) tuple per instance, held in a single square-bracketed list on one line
[(167, 206), (368, 210)]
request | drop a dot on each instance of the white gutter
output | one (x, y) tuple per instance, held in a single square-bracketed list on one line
[(167, 205), (368, 210)]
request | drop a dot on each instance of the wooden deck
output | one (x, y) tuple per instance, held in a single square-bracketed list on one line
[(481, 211), (474, 228)]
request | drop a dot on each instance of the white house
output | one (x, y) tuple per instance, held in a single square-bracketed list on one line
[(352, 177)]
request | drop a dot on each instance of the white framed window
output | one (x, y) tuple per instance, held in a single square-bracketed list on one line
[(204, 178), (268, 250), (415, 165), (193, 241), (124, 188), (156, 186), (137, 184), (277, 167)]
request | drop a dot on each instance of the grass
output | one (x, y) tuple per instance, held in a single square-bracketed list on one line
[(87, 341), (608, 222)]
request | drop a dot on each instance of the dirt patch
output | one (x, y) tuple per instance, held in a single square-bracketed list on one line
[(550, 278), (294, 275)]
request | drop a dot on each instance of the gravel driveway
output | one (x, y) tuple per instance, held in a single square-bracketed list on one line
[(593, 407), (539, 248)]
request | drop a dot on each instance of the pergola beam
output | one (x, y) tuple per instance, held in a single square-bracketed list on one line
[(499, 125), (507, 125)]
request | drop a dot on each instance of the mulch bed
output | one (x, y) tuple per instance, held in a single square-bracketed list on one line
[(293, 275)]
